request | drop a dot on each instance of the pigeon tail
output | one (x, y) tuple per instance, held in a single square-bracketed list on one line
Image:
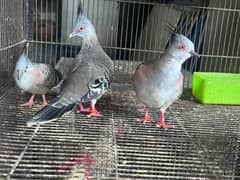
[(49, 113)]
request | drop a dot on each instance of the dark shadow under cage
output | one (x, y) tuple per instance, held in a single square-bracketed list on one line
[(204, 143)]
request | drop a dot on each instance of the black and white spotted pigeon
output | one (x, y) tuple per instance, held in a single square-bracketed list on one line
[(89, 79)]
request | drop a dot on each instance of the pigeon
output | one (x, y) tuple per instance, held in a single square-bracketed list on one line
[(88, 80), (35, 78), (64, 66), (159, 83)]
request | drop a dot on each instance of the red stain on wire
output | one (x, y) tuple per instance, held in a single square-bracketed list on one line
[(88, 161), (122, 130)]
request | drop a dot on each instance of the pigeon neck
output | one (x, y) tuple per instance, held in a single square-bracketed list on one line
[(24, 60), (170, 61), (175, 57), (90, 41)]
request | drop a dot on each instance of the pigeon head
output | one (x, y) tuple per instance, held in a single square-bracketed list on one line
[(83, 28), (182, 48)]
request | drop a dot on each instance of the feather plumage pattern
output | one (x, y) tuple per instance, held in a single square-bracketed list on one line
[(159, 83), (87, 80), (35, 78)]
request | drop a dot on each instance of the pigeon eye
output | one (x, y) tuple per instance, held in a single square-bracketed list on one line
[(181, 46), (81, 28)]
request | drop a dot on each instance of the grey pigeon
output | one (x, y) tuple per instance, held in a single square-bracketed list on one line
[(88, 80), (158, 84), (64, 66), (35, 78)]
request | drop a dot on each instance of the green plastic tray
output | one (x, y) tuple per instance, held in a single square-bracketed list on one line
[(216, 88)]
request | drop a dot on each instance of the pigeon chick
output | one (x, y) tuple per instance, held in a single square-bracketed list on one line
[(158, 84), (35, 78), (89, 79)]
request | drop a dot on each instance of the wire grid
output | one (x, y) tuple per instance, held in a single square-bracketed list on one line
[(204, 143), (11, 35), (130, 32), (47, 151)]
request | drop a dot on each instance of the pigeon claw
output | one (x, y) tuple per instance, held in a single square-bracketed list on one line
[(44, 104), (164, 125), (94, 112), (82, 109), (29, 103), (145, 119)]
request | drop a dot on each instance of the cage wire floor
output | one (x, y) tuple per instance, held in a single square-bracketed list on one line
[(204, 143)]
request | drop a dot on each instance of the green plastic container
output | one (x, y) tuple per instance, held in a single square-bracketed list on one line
[(216, 88)]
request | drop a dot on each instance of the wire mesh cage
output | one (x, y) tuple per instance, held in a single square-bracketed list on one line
[(204, 143)]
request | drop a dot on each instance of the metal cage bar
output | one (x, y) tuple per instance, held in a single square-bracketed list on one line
[(205, 141)]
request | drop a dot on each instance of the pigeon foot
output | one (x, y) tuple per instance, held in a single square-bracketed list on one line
[(145, 119), (164, 125), (83, 109), (94, 112), (29, 104)]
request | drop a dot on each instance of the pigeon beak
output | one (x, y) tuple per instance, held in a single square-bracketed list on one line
[(72, 34), (193, 53)]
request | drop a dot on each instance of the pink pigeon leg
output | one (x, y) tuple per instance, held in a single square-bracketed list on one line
[(146, 117), (161, 122), (83, 109), (93, 111), (45, 103), (30, 103)]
